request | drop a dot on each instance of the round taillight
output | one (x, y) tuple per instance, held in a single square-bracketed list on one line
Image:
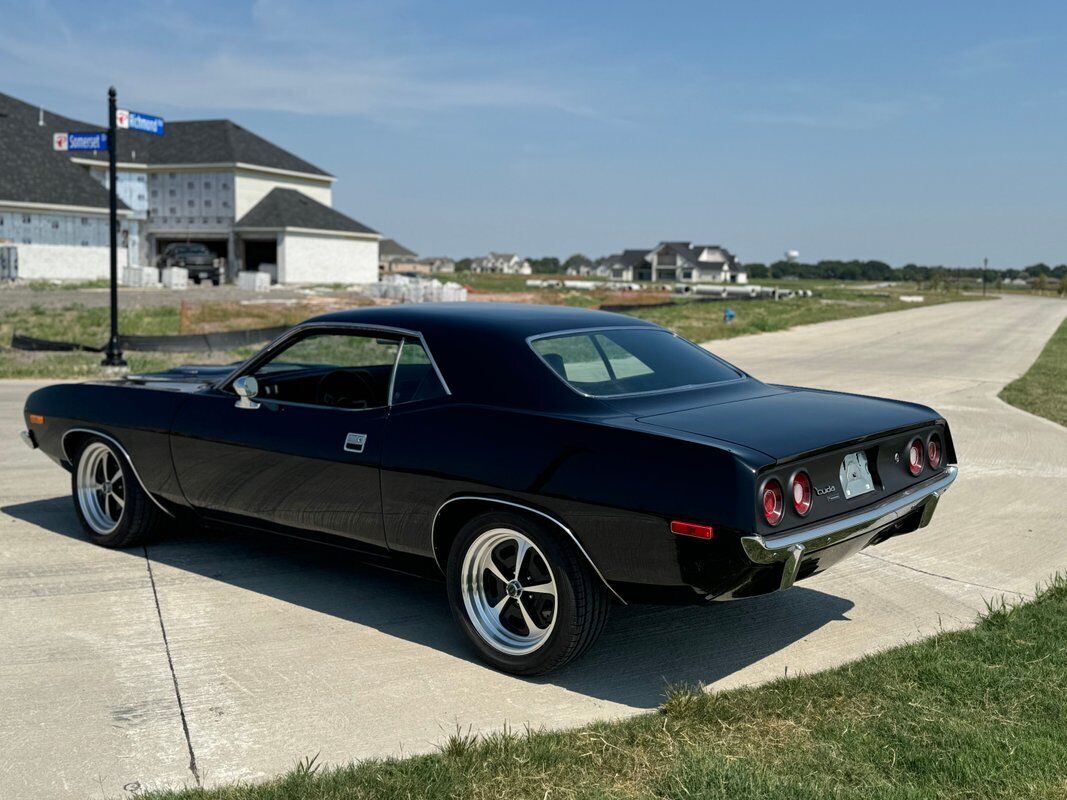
[(915, 457), (801, 491), (933, 451), (773, 509)]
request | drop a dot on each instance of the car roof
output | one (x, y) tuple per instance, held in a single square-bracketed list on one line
[(509, 320), (481, 348)]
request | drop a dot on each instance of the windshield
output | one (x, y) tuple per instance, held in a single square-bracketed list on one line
[(618, 361)]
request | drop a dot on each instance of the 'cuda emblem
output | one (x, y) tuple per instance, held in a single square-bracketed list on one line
[(825, 490)]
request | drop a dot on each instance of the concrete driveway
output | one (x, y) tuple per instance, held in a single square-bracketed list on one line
[(204, 659)]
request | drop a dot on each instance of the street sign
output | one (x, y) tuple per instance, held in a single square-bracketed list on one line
[(138, 122), (79, 141)]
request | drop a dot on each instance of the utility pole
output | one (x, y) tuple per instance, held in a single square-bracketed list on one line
[(113, 357), (985, 266)]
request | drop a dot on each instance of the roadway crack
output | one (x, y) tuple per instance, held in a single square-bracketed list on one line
[(173, 675), (939, 575)]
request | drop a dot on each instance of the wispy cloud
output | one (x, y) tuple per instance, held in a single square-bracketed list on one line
[(303, 58), (992, 56), (844, 114)]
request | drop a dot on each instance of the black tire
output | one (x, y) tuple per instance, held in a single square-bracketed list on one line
[(139, 516), (215, 281), (581, 602)]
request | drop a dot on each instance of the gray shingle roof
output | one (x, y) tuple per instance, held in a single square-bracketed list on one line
[(391, 248), (31, 171), (289, 208)]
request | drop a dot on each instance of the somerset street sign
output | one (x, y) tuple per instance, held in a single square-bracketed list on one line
[(138, 122), (79, 141)]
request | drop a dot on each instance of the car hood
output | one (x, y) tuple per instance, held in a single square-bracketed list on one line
[(794, 421)]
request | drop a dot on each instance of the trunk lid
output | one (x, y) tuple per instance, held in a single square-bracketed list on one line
[(793, 421)]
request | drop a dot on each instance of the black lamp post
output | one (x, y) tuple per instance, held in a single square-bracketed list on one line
[(113, 357)]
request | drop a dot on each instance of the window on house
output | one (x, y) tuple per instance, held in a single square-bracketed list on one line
[(26, 219), (207, 184), (85, 242), (225, 203), (225, 185), (191, 203), (85, 220), (190, 185), (55, 224), (173, 210), (172, 193), (155, 193), (207, 204)]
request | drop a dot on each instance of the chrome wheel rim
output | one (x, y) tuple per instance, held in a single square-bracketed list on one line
[(101, 488), (509, 591)]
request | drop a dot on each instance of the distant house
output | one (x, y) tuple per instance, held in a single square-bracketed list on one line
[(394, 257), (504, 263), (439, 264), (676, 261)]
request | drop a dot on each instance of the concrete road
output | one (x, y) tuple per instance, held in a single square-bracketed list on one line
[(209, 659)]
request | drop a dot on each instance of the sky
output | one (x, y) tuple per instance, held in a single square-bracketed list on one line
[(921, 132)]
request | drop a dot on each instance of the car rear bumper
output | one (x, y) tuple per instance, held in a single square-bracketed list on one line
[(830, 541)]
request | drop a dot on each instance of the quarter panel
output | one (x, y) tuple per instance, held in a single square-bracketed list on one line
[(617, 489)]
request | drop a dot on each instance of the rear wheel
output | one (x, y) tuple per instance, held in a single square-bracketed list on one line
[(524, 596), (111, 505)]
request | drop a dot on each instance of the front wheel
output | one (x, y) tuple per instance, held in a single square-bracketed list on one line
[(524, 595), (111, 505)]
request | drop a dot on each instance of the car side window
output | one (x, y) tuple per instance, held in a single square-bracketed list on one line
[(339, 370), (416, 378)]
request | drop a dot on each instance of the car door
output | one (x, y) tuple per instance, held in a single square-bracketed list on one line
[(305, 452)]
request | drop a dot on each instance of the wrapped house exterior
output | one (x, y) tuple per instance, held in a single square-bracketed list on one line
[(206, 181)]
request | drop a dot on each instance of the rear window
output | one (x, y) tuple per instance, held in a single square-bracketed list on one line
[(620, 361)]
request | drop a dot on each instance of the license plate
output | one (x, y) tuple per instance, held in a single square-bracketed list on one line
[(855, 475)]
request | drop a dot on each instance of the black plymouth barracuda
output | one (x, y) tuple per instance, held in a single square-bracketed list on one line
[(548, 461)]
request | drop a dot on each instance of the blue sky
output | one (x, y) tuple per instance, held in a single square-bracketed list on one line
[(925, 132)]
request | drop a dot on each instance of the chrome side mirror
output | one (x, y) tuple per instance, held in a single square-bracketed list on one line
[(246, 387)]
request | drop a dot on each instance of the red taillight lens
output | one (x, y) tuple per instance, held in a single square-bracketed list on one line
[(692, 529), (915, 457), (801, 492), (933, 451), (772, 502)]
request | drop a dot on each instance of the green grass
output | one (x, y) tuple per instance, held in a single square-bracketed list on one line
[(90, 325), (1043, 389), (703, 322), (978, 713), (700, 322)]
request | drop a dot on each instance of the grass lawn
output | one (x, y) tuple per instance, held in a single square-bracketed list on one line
[(1043, 389), (699, 321), (978, 713), (90, 325)]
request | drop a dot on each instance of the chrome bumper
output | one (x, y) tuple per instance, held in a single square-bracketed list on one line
[(28, 440), (791, 547)]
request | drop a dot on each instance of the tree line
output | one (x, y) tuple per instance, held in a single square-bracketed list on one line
[(854, 270)]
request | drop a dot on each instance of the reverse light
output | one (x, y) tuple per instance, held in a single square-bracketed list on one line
[(915, 457), (801, 493), (933, 451), (692, 529), (773, 509)]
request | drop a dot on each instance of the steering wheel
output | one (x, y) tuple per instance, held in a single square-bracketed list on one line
[(345, 388)]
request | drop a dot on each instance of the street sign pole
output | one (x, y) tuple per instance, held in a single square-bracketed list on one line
[(113, 357)]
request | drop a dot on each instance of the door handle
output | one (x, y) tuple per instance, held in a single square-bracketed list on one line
[(355, 442)]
